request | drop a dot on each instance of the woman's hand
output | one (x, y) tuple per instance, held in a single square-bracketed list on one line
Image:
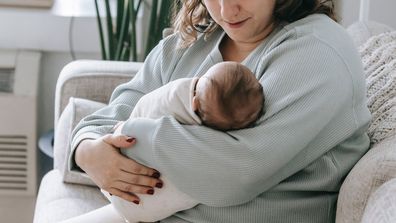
[(111, 171)]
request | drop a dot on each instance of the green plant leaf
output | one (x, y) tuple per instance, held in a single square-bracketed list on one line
[(110, 34), (122, 36), (101, 37), (119, 17), (123, 31), (133, 51)]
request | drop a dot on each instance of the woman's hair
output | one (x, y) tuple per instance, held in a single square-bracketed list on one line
[(193, 17)]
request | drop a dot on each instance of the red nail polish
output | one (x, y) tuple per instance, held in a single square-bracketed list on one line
[(130, 139), (159, 185), (156, 175), (136, 202), (151, 191)]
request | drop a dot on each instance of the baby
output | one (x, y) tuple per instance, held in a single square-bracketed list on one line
[(227, 97)]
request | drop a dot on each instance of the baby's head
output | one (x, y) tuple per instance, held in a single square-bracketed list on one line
[(228, 97)]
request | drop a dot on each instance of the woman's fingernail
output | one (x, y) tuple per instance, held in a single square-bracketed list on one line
[(156, 175), (150, 191), (130, 139), (110, 194), (136, 201), (159, 185)]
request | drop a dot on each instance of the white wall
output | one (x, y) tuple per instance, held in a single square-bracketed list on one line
[(51, 65), (380, 11), (41, 30)]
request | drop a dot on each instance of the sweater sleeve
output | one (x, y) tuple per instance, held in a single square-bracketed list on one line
[(309, 110)]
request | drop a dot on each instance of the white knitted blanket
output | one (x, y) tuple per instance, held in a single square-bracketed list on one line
[(379, 61)]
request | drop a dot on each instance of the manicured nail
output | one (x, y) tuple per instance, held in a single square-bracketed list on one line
[(156, 175), (136, 202), (110, 194), (150, 191), (159, 185), (130, 139)]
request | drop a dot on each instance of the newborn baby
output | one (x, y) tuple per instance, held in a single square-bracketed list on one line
[(227, 97)]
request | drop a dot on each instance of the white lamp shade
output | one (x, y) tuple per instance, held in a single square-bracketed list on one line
[(80, 8)]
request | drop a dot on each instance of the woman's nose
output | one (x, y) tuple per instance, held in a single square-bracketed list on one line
[(230, 9)]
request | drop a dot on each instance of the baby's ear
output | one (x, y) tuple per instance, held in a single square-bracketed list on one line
[(195, 103)]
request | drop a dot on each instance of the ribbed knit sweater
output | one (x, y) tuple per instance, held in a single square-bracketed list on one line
[(290, 166)]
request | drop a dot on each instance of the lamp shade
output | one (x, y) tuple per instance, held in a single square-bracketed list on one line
[(80, 8)]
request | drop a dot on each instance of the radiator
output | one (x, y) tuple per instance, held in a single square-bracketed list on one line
[(18, 114)]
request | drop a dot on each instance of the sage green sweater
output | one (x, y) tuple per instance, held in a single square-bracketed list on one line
[(290, 166)]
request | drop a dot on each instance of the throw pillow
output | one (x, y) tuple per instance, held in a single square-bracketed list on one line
[(76, 109), (379, 60)]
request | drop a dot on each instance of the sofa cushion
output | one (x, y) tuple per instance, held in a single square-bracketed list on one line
[(76, 109), (379, 60), (381, 207), (59, 201), (375, 168)]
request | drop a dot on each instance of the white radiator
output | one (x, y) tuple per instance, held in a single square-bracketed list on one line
[(18, 95)]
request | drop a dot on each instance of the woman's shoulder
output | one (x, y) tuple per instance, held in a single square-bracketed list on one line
[(317, 24), (316, 35), (170, 43), (322, 31)]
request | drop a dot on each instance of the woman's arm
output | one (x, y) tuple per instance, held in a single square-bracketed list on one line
[(311, 106), (312, 101), (96, 152)]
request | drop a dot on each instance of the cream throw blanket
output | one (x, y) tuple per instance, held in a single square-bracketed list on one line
[(379, 60)]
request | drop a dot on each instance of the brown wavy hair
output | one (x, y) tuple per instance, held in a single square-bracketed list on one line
[(193, 17)]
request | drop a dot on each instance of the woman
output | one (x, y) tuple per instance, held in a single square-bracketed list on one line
[(290, 166)]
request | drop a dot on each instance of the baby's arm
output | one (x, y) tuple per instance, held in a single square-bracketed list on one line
[(164, 203)]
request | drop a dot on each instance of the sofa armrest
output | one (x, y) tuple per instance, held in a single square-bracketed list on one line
[(76, 109), (91, 79), (381, 206), (83, 87), (375, 168)]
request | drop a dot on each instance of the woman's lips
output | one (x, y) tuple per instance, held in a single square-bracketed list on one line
[(235, 25)]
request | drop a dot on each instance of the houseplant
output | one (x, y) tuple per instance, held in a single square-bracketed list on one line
[(118, 34)]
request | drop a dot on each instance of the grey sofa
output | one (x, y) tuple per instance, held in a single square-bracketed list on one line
[(85, 86)]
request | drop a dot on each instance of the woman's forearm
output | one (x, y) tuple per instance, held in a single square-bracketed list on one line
[(80, 153)]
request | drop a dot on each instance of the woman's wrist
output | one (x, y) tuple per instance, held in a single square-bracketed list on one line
[(79, 154)]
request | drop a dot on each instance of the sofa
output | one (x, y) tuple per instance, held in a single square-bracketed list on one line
[(368, 193)]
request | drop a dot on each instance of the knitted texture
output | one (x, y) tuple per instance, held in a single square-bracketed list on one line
[(379, 59)]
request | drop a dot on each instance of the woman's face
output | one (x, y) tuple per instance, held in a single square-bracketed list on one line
[(247, 21)]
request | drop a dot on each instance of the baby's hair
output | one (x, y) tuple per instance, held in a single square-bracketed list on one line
[(234, 93)]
